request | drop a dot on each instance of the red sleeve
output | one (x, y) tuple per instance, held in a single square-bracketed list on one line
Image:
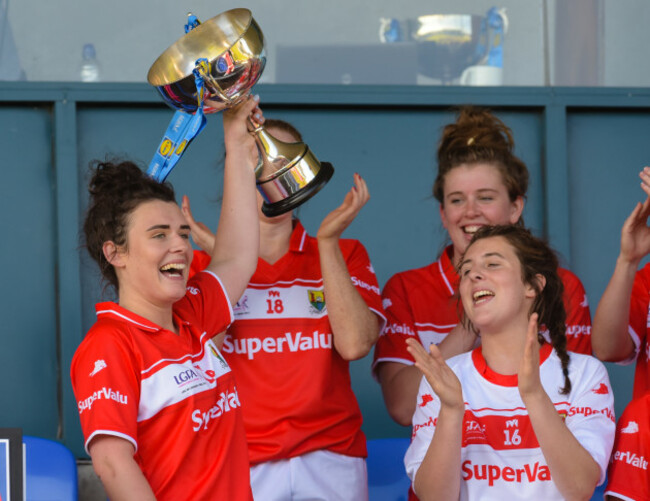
[(364, 279), (629, 469), (106, 382), (400, 325), (578, 316), (206, 304), (200, 262)]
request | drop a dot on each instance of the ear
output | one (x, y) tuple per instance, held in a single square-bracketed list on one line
[(540, 283), (113, 254), (516, 209), (443, 217)]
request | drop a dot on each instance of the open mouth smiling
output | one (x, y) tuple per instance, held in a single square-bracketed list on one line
[(173, 269), (471, 228), (482, 296)]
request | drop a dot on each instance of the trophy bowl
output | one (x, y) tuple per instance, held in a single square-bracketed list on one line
[(233, 44), (287, 174), (446, 44)]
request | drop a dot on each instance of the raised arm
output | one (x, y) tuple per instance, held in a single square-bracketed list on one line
[(234, 254), (609, 336), (354, 326), (573, 470), (439, 475)]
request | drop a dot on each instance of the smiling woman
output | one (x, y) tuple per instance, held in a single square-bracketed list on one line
[(518, 417), (480, 182), (158, 404)]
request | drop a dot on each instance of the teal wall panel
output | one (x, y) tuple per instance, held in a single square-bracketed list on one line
[(607, 149), (28, 357), (583, 148)]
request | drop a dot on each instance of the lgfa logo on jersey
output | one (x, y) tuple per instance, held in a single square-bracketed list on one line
[(474, 432), (195, 374), (316, 299)]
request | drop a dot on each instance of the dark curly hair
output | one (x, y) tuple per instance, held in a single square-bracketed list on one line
[(116, 190), (478, 136), (537, 258)]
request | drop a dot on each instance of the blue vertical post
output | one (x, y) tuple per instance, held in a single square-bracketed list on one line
[(556, 180), (68, 276)]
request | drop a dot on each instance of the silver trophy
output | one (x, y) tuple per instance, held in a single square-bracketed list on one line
[(233, 44), (447, 44)]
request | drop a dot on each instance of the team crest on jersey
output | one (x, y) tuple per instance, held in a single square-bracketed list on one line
[(214, 351), (317, 300)]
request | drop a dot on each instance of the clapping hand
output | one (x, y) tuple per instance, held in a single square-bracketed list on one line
[(529, 382), (438, 374), (340, 218)]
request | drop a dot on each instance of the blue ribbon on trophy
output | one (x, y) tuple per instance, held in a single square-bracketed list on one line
[(494, 26), (183, 126)]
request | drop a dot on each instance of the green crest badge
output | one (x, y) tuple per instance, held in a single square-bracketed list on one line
[(317, 299)]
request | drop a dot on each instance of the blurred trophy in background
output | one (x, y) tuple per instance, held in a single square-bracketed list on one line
[(452, 49), (211, 68)]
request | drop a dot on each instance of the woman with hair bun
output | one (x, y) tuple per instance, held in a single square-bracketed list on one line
[(519, 417), (312, 306), (158, 404), (480, 182)]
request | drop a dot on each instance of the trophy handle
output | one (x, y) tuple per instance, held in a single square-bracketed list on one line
[(254, 129)]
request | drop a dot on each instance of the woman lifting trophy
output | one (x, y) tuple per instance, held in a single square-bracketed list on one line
[(211, 68)]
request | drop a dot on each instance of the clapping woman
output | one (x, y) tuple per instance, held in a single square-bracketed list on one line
[(518, 417)]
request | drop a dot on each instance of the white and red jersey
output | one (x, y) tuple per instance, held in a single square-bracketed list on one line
[(638, 329), (294, 387), (629, 470), (500, 456), (172, 396), (422, 303)]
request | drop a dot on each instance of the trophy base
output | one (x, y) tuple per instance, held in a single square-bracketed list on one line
[(315, 185)]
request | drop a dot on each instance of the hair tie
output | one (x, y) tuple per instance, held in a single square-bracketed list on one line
[(470, 141)]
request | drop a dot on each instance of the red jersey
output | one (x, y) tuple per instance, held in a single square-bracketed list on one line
[(422, 303), (629, 471), (294, 386), (172, 396), (639, 325)]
